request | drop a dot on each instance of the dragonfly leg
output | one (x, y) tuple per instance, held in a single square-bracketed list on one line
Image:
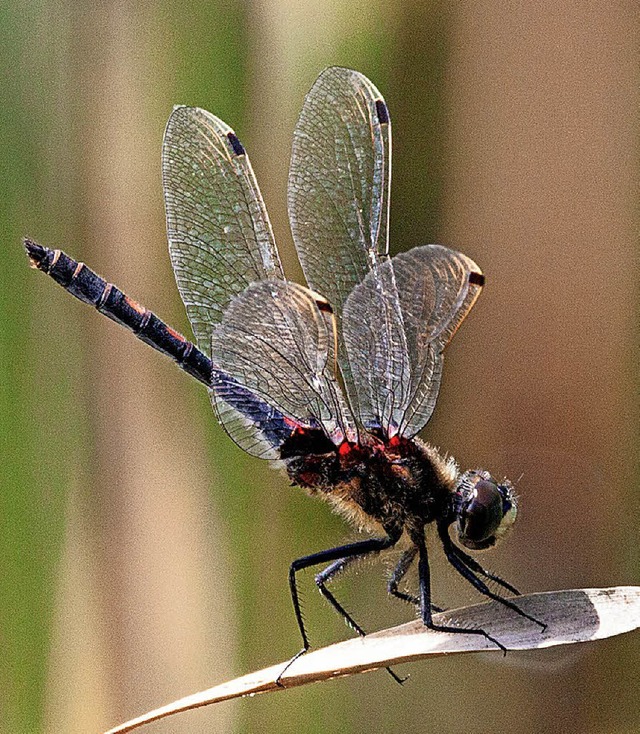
[(473, 565), (424, 575), (359, 549), (453, 555), (327, 575), (399, 572)]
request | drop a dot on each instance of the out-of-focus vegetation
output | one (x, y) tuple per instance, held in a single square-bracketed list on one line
[(143, 555)]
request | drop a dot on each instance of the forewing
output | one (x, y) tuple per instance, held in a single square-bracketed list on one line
[(396, 324), (276, 343), (220, 237), (339, 183)]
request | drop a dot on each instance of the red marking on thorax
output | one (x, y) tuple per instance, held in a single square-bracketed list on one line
[(293, 424), (346, 447)]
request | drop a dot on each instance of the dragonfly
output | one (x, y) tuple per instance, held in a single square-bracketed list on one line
[(333, 380)]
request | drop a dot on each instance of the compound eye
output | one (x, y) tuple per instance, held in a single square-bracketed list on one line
[(486, 511)]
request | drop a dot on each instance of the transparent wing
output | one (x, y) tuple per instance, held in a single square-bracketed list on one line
[(396, 324), (253, 424), (220, 237), (276, 343), (339, 183)]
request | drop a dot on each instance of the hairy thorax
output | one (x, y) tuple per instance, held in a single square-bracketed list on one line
[(401, 482)]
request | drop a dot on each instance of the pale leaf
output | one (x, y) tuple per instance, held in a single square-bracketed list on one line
[(579, 615)]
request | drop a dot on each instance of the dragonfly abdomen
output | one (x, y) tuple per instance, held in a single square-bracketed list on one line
[(86, 285)]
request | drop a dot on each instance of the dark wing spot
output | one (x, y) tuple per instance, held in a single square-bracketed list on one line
[(476, 278), (382, 112), (237, 146)]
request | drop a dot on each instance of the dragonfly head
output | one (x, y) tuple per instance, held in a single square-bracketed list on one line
[(485, 509)]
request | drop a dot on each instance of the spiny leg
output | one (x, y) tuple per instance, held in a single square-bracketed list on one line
[(467, 573), (322, 579), (361, 548), (425, 601), (473, 565), (399, 572)]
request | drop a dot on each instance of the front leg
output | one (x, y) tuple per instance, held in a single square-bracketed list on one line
[(473, 565), (470, 571)]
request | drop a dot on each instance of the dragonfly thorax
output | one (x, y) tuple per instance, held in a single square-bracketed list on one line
[(405, 483)]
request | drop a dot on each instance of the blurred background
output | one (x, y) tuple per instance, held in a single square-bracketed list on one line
[(142, 555)]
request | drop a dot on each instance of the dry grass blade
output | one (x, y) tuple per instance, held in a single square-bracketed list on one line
[(578, 615)]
